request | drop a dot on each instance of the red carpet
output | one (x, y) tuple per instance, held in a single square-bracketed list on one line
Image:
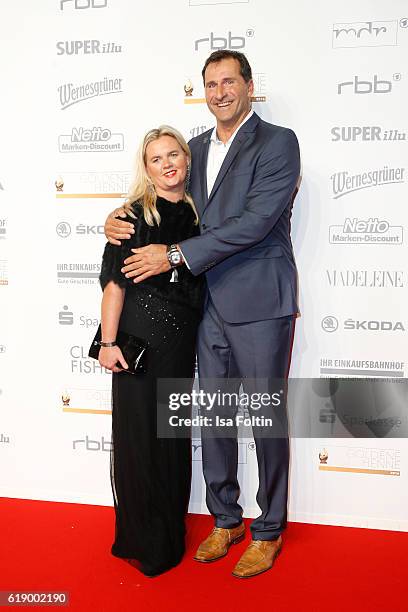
[(55, 546)]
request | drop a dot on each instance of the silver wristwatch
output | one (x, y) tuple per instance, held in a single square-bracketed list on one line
[(174, 256)]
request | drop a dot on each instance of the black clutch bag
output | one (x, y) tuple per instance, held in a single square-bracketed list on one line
[(134, 350)]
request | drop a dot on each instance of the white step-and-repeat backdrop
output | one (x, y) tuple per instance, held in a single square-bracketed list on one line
[(82, 80)]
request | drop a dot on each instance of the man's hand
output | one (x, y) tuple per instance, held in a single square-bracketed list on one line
[(117, 230), (147, 261)]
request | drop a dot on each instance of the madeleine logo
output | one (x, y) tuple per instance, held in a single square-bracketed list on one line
[(70, 94)]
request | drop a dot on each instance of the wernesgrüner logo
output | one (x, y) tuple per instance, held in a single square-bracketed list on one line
[(91, 140), (70, 94), (374, 230), (343, 183)]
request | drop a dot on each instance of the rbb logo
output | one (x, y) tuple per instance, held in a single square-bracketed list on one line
[(219, 42), (93, 445), (85, 4), (366, 87)]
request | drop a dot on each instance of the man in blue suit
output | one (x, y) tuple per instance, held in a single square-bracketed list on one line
[(243, 176)]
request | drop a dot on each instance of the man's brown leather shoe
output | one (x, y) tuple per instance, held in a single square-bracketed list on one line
[(258, 558), (218, 542)]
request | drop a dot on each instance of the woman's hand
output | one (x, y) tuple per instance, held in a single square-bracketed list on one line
[(110, 356)]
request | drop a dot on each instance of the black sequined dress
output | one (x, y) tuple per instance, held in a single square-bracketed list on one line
[(151, 476)]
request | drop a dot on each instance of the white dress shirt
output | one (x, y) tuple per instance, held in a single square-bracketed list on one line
[(217, 152)]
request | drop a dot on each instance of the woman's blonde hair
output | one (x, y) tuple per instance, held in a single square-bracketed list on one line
[(142, 189)]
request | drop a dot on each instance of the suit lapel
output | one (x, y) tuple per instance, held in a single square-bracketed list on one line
[(229, 158), (202, 168), (246, 131)]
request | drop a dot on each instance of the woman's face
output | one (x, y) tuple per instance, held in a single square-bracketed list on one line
[(166, 165)]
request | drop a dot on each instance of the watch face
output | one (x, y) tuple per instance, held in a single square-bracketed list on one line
[(175, 257)]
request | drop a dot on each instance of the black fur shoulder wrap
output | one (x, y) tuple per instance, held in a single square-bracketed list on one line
[(177, 224)]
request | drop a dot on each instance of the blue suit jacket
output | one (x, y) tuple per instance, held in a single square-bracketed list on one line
[(245, 246)]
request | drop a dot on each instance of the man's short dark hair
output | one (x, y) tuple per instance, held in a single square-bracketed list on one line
[(217, 56)]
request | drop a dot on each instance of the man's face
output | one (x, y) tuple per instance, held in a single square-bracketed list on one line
[(227, 94)]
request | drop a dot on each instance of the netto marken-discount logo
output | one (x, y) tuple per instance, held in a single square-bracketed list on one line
[(355, 231), (91, 140), (70, 94), (343, 183)]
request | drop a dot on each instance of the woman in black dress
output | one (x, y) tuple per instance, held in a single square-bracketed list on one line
[(151, 476)]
